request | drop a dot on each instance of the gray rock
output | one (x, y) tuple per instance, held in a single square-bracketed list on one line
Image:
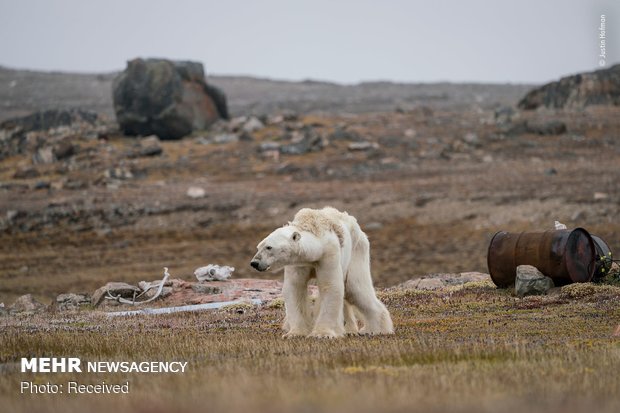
[(27, 304), (601, 87), (165, 292), (44, 155), (552, 127), (25, 173), (115, 288), (205, 289), (269, 146), (167, 98), (304, 142), (530, 281), (362, 146), (71, 301), (225, 138), (252, 125)]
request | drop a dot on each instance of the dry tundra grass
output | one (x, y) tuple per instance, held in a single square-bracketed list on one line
[(471, 349)]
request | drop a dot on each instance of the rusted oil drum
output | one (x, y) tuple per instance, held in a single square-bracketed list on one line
[(603, 258), (564, 256)]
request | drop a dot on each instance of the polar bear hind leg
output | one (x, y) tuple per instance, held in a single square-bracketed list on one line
[(360, 292)]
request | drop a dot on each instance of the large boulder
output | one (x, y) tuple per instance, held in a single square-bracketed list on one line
[(166, 98), (601, 87)]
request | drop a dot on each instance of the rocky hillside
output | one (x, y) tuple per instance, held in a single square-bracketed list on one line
[(22, 92)]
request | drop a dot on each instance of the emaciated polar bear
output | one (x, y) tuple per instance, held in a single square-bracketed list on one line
[(330, 246)]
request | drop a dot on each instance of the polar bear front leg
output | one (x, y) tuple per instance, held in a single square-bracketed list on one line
[(330, 280), (298, 320)]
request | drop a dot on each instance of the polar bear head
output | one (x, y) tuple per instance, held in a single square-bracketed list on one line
[(279, 249)]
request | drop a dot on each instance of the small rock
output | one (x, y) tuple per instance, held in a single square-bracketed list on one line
[(410, 133), (42, 185), (27, 304), (600, 196), (72, 301), (226, 138), (165, 292), (371, 226), (530, 281), (362, 146), (112, 173), (553, 127), (196, 192), (44, 155), (25, 173), (205, 289), (269, 146), (471, 139), (64, 150), (487, 158), (114, 288), (253, 124), (551, 172), (150, 146)]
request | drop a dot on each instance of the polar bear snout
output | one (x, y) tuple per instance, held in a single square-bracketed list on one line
[(256, 265)]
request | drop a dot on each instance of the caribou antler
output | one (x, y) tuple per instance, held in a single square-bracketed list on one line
[(134, 302)]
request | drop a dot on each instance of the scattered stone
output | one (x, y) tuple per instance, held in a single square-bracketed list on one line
[(471, 139), (119, 172), (206, 289), (44, 155), (601, 87), (252, 125), (115, 289), (551, 171), (504, 115), (530, 281), (27, 304), (342, 134), (149, 146), (167, 98), (42, 185), (226, 138), (72, 301), (363, 146), (410, 133), (165, 292), (269, 146), (305, 142), (64, 150), (26, 173), (372, 226), (196, 192), (553, 127), (600, 196)]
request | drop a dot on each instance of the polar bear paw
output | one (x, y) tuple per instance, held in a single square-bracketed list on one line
[(325, 333), (295, 333)]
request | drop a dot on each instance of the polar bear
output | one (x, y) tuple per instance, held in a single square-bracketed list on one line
[(330, 246)]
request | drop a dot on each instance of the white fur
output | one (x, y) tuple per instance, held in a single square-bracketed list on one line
[(330, 246)]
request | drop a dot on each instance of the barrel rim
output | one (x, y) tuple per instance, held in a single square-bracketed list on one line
[(592, 265), (499, 284)]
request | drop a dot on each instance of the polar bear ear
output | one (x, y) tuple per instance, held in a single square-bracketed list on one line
[(296, 236)]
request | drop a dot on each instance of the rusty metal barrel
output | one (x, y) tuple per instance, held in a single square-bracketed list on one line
[(563, 255)]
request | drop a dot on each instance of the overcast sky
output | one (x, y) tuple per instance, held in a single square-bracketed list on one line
[(339, 40)]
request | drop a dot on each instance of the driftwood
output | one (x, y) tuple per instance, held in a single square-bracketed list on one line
[(160, 284)]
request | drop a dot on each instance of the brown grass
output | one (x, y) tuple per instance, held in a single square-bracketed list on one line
[(469, 349)]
